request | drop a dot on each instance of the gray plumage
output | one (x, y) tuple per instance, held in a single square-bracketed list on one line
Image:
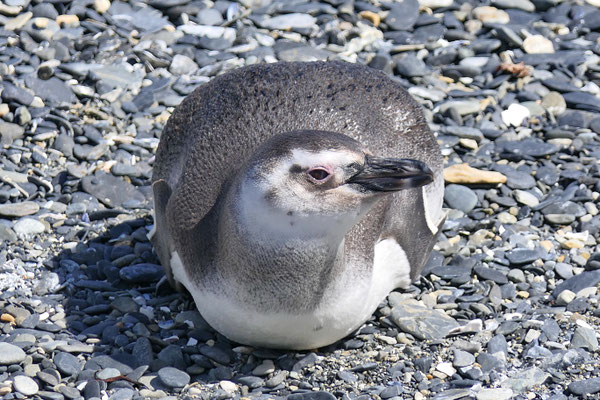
[(222, 127)]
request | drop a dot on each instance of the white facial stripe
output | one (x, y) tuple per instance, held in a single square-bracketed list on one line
[(308, 159), (279, 176)]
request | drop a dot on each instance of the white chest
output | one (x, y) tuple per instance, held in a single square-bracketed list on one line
[(347, 304)]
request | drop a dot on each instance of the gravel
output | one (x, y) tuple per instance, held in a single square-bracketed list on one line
[(507, 306)]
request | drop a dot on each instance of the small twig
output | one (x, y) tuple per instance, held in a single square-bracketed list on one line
[(61, 121), (242, 15), (121, 378), (10, 182)]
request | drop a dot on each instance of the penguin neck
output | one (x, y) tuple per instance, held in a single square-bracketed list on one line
[(259, 217), (259, 244)]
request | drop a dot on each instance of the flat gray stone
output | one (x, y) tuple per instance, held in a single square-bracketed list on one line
[(19, 209), (108, 373), (559, 219), (402, 15), (51, 90), (462, 358), (524, 5), (311, 396), (172, 377), (578, 282), (289, 21), (122, 394), (16, 177), (463, 107), (67, 363), (118, 75), (585, 386), (524, 380), (11, 354), (7, 234), (29, 226), (460, 198), (110, 190), (464, 132), (422, 322), (585, 338), (495, 394), (9, 132)]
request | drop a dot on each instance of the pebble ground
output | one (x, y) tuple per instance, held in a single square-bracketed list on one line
[(507, 307)]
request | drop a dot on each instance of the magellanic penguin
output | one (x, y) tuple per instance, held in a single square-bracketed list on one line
[(291, 198)]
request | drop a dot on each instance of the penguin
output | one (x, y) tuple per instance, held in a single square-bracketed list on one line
[(291, 198)]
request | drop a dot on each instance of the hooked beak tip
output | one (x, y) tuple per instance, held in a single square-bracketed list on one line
[(392, 174)]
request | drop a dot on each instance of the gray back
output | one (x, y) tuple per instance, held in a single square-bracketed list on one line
[(216, 129)]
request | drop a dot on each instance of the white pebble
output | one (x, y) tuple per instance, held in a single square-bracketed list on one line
[(446, 368), (228, 386), (515, 114), (565, 297), (537, 44), (25, 385)]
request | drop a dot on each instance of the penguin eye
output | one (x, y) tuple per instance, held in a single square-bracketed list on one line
[(318, 174)]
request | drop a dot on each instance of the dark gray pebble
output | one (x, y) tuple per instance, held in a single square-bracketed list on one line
[(311, 396), (172, 377), (485, 273), (523, 256), (391, 391), (403, 15), (410, 66), (141, 273), (14, 93), (530, 147), (585, 386), (582, 100), (490, 363), (69, 392), (578, 282), (306, 361), (67, 363), (52, 90), (214, 353), (252, 382), (347, 376), (460, 197), (110, 190), (47, 395), (551, 329)]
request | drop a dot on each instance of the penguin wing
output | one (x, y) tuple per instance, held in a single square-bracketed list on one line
[(160, 236), (409, 224)]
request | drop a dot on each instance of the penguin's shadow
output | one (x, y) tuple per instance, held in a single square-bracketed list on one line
[(116, 298)]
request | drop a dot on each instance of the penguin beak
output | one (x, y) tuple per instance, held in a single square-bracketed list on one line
[(392, 174)]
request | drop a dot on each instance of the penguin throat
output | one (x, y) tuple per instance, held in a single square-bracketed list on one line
[(264, 220)]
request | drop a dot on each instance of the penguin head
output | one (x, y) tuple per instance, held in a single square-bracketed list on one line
[(322, 177)]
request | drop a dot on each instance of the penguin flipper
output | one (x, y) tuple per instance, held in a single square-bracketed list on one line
[(160, 237), (407, 225)]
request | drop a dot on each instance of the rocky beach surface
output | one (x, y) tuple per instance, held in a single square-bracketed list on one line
[(507, 307)]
